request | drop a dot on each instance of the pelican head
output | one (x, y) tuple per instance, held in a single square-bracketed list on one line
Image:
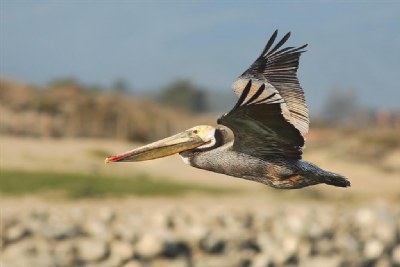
[(201, 136)]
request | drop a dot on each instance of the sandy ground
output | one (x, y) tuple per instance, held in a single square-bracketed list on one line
[(87, 156)]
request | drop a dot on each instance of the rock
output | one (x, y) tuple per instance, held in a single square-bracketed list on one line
[(396, 255), (28, 252), (192, 234), (261, 260), (264, 240), (149, 246), (91, 250), (215, 261), (290, 245), (365, 217), (15, 233), (216, 236), (121, 250), (279, 257), (98, 230), (7, 221), (34, 222), (386, 232), (212, 243), (161, 220), (373, 249), (248, 244), (39, 260), (24, 248), (57, 224), (133, 263), (59, 231), (176, 248), (325, 261), (323, 246), (383, 262), (304, 250), (346, 244), (168, 263), (315, 231), (106, 215), (295, 224), (124, 231), (78, 214), (65, 253)]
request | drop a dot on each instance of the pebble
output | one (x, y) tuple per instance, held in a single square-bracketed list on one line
[(121, 250), (133, 263), (373, 249), (64, 253), (383, 262), (261, 260), (212, 243), (168, 263), (15, 233), (91, 250), (149, 246), (396, 254), (98, 230), (254, 237), (322, 261)]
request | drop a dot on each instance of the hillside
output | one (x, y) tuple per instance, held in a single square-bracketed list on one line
[(70, 110)]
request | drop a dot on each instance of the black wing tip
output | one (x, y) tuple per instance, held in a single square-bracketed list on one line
[(256, 95), (277, 31), (267, 51), (243, 96), (271, 40), (300, 48), (280, 43)]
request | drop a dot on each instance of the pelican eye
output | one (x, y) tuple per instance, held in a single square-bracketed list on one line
[(195, 131)]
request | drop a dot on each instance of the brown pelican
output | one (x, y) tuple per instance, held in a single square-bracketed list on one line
[(269, 122)]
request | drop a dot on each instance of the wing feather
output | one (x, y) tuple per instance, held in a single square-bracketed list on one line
[(278, 69), (261, 130), (281, 42), (271, 115), (270, 42)]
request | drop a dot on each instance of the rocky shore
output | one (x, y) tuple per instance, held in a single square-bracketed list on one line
[(201, 236)]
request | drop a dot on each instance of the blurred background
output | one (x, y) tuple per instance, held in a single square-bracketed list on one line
[(82, 80)]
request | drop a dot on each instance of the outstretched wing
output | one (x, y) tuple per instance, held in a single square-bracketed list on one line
[(270, 117)]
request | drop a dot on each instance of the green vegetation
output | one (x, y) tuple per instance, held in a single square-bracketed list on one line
[(183, 94), (74, 185)]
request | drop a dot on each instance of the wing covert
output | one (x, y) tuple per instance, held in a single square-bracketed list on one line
[(260, 128)]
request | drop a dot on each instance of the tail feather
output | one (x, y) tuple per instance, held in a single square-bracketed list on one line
[(322, 176), (336, 180)]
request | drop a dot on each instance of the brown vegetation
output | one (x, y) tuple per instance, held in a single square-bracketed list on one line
[(67, 109)]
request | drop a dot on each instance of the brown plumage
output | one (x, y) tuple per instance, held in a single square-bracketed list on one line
[(269, 122)]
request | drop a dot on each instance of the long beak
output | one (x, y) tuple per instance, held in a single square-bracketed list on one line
[(165, 147)]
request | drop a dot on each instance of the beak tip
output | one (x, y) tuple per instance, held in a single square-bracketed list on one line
[(107, 160)]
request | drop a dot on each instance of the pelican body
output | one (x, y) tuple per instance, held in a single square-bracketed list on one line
[(268, 122), (276, 172)]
